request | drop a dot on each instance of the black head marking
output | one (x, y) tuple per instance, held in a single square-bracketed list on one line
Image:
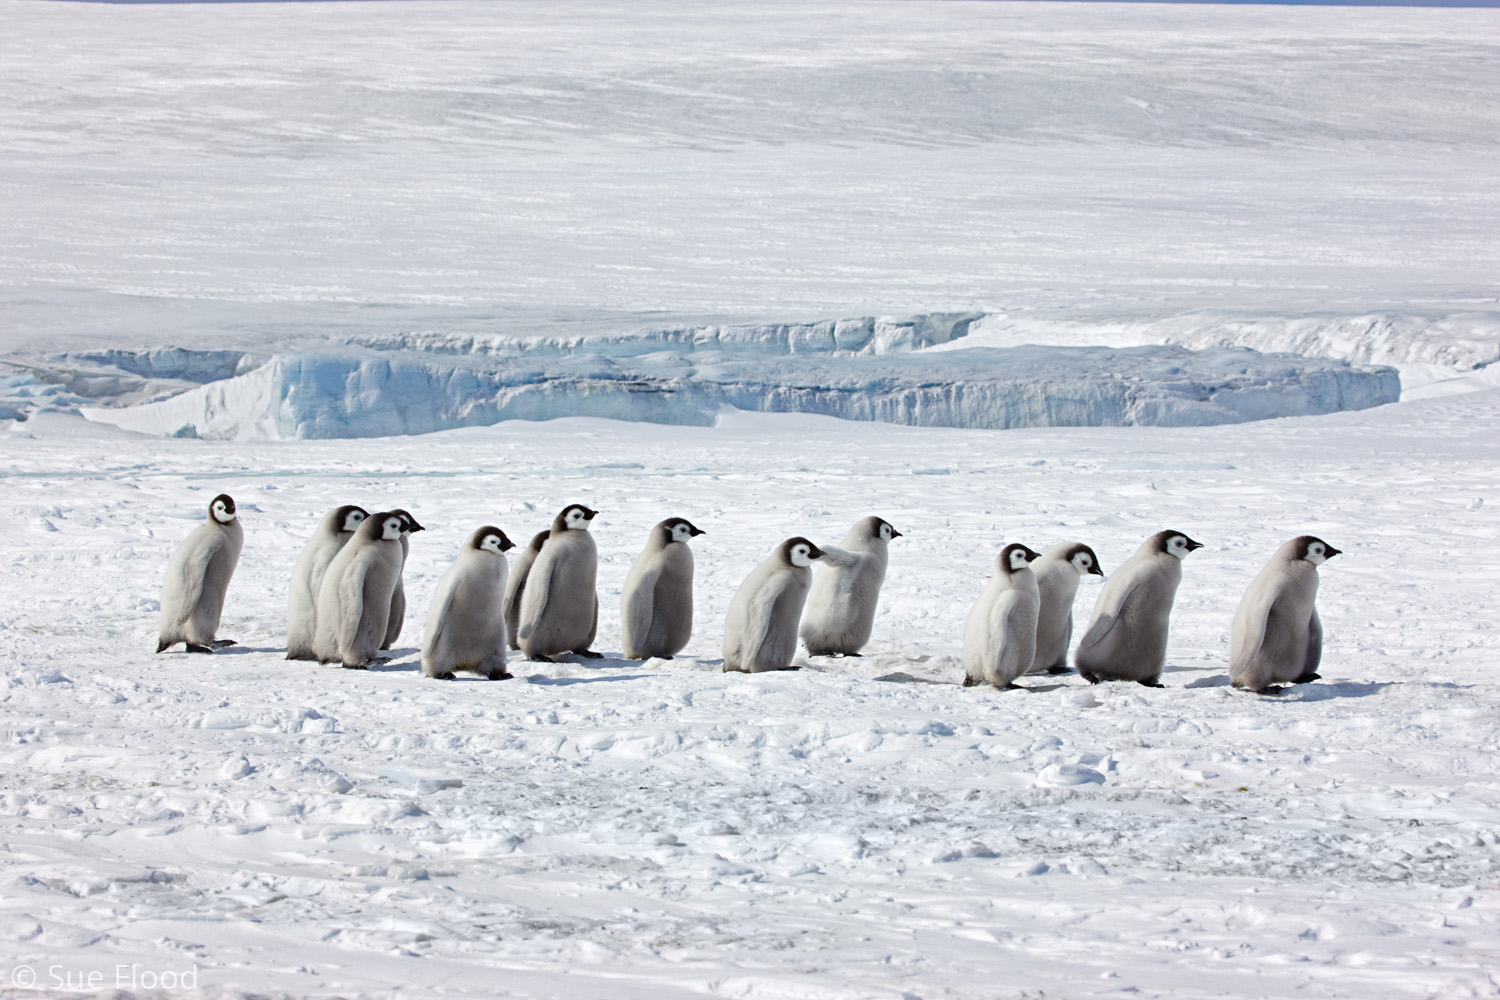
[(1163, 541), (226, 500), (490, 531), (408, 523), (669, 528), (1077, 549), (537, 541), (1311, 547), (813, 552), (1007, 553)]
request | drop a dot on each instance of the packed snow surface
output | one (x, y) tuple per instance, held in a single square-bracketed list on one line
[(861, 828)]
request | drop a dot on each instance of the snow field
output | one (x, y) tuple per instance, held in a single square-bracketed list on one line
[(663, 829)]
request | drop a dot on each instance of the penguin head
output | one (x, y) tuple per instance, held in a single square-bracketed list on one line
[(1175, 543), (885, 531), (574, 517), (537, 541), (221, 508), (349, 517), (679, 529), (800, 552), (1015, 556), (1083, 559), (391, 525), (408, 523), (1315, 550), (491, 539)]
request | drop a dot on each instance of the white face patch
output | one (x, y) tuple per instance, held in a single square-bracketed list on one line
[(222, 514), (801, 556), (681, 533), (576, 521), (491, 543), (1316, 554), (392, 529), (1177, 546), (885, 532), (353, 519), (1018, 559), (1082, 563)]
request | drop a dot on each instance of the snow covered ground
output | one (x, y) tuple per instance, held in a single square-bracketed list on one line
[(448, 180), (617, 829)]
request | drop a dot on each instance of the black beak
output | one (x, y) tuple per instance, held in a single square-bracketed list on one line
[(815, 553), (1330, 552), (506, 544), (589, 515), (1032, 556), (1096, 570), (895, 533), (1191, 545), (695, 532)]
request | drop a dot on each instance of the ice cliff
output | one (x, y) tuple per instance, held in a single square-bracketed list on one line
[(366, 393)]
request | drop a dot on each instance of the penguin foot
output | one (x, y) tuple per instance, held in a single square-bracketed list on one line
[(1305, 678), (589, 653), (442, 677), (193, 647), (380, 659), (1058, 668), (969, 681), (1088, 677), (1009, 687), (1151, 682), (541, 658), (861, 656), (356, 666), (499, 675), (221, 643), (162, 646), (1271, 690)]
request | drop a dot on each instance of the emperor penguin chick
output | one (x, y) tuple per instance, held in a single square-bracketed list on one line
[(559, 607), (192, 592), (841, 605), (760, 631), (516, 586), (1057, 574), (354, 601), (1127, 637), (398, 599), (466, 624), (1277, 636), (656, 606), (1000, 636), (332, 533)]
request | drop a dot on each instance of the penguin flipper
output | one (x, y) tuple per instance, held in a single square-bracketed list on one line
[(638, 610), (758, 623), (1314, 649), (1005, 665), (194, 572), (1246, 640), (1107, 614), (351, 595), (842, 558), (534, 597)]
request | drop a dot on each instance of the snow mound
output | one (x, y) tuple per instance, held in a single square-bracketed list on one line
[(358, 393)]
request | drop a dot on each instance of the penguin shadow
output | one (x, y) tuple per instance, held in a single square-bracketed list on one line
[(398, 661), (608, 667), (1040, 688), (1332, 690)]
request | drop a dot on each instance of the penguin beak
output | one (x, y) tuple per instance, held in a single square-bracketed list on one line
[(1191, 545), (589, 515), (815, 553), (1032, 556), (695, 532), (1329, 552), (506, 544), (1096, 569), (895, 533)]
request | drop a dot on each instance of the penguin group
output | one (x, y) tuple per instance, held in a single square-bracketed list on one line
[(347, 603)]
